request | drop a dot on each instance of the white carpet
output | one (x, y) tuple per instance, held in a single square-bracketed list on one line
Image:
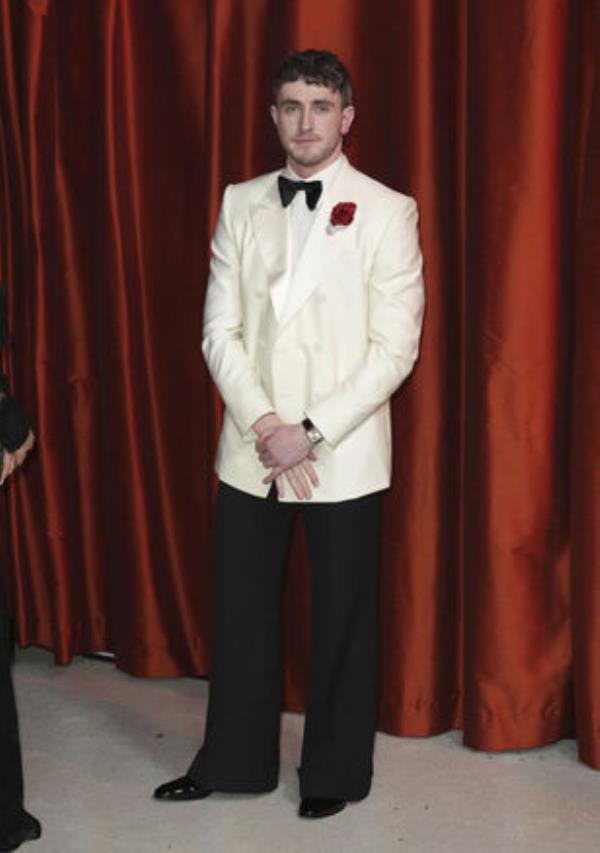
[(96, 742)]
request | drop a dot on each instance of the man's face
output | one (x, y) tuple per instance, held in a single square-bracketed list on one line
[(311, 124)]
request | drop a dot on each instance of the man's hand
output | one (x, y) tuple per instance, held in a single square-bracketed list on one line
[(266, 424), (283, 447), (299, 477), (289, 439), (10, 461)]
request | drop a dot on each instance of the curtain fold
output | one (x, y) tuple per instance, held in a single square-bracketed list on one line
[(121, 123), (517, 632), (585, 433)]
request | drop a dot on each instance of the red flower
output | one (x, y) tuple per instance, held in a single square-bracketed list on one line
[(343, 213)]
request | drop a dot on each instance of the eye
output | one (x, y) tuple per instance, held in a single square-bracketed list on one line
[(322, 108), (290, 108)]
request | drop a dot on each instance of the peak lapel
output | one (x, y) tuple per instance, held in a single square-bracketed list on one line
[(309, 268), (270, 223)]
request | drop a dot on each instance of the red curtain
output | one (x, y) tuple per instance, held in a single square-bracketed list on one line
[(122, 121)]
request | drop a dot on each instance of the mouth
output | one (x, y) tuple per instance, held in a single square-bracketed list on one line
[(305, 141)]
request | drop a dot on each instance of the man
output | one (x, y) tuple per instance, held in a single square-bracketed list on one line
[(312, 320), (16, 824)]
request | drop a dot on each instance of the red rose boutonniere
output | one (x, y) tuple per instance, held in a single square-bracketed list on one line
[(342, 214)]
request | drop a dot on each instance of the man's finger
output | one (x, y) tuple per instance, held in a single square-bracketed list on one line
[(7, 466), (261, 441), (300, 483), (292, 481), (310, 472), (305, 483), (279, 485), (275, 472), (296, 484)]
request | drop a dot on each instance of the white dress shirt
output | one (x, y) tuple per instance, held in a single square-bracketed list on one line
[(300, 220)]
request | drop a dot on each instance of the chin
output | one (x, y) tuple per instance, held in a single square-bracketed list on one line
[(311, 160)]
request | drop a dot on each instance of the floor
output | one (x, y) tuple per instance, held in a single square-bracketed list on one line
[(97, 742)]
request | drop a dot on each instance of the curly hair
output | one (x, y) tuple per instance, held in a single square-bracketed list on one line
[(318, 67)]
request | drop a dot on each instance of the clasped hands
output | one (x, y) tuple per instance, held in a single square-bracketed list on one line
[(287, 451)]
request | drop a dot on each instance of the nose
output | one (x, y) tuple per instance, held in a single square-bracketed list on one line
[(305, 120)]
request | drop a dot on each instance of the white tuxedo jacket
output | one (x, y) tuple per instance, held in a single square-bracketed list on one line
[(347, 338)]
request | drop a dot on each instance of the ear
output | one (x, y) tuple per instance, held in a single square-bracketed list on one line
[(274, 113), (347, 119)]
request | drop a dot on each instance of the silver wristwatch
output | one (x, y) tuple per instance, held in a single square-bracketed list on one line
[(313, 434)]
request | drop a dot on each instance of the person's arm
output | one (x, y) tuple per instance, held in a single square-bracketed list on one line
[(16, 437), (222, 340), (14, 426), (12, 460), (226, 357), (396, 303)]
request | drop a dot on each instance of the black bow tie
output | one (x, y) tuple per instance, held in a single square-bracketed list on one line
[(288, 189)]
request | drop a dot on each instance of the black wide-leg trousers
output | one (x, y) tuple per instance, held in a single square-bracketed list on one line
[(11, 773), (241, 744)]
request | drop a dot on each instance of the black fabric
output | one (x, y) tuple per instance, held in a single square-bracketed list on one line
[(11, 773), (14, 426), (13, 432), (13, 423), (289, 188), (3, 315), (16, 827), (241, 745)]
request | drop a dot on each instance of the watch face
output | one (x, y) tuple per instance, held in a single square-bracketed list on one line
[(314, 435)]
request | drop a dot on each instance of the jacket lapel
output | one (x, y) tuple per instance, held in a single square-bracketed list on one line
[(270, 223), (309, 268)]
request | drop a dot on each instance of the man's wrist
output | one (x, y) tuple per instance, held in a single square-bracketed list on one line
[(312, 432), (266, 421)]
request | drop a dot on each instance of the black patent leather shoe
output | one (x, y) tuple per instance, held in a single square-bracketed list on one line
[(181, 789), (315, 807), (16, 827)]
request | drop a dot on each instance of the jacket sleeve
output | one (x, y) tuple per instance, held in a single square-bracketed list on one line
[(14, 426), (222, 340), (396, 304)]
